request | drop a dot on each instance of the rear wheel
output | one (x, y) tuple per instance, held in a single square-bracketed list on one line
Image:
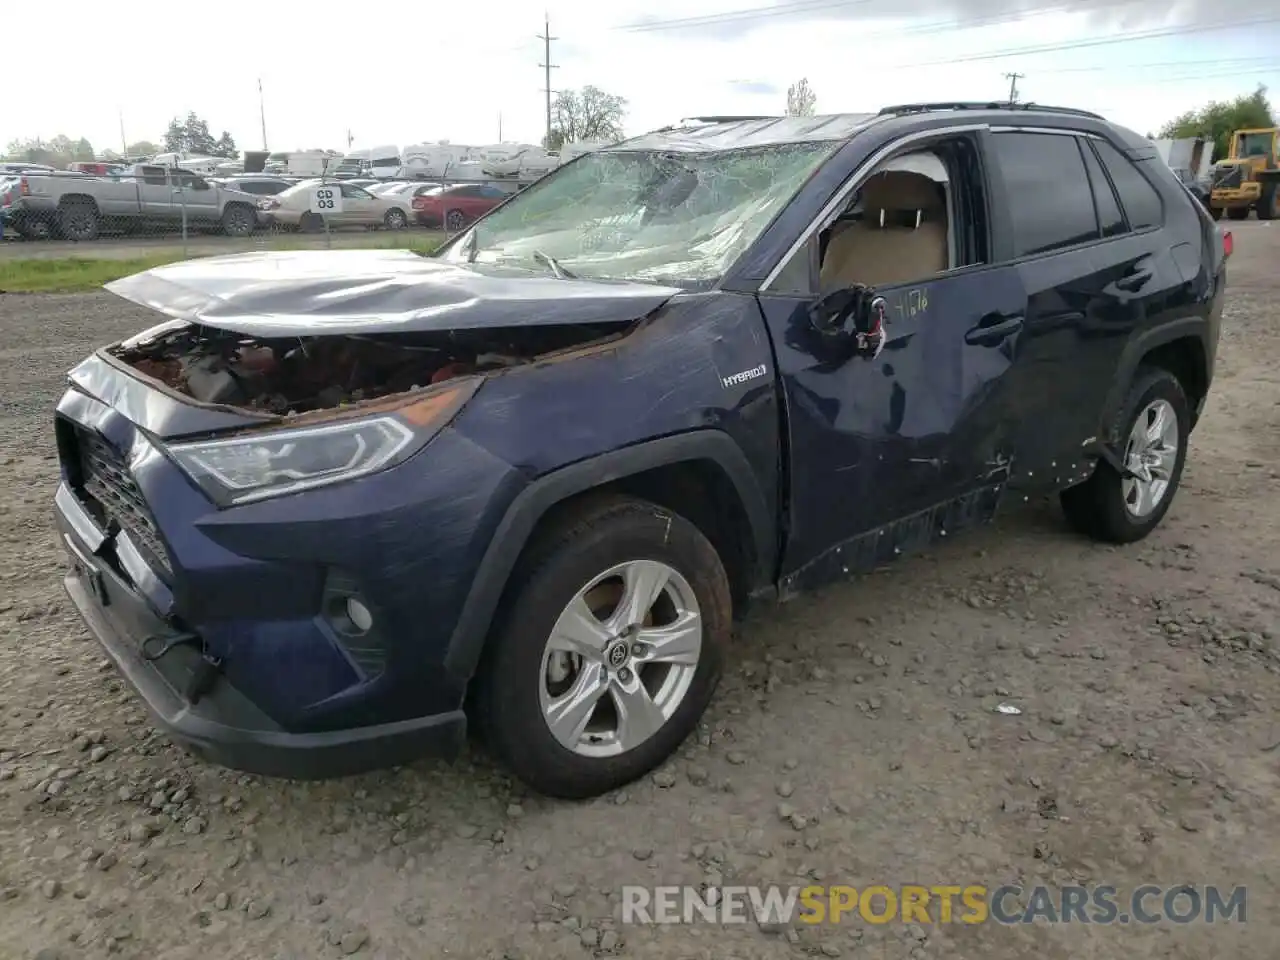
[(238, 220), (455, 220), (311, 223), (395, 219), (1238, 213), (1155, 422), (1215, 212), (609, 651), (78, 220)]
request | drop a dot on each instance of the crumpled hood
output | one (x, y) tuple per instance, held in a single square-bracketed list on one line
[(317, 292)]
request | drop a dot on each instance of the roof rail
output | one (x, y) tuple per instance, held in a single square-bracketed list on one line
[(985, 105)]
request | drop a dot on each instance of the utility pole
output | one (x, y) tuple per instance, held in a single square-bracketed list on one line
[(124, 144), (500, 126), (262, 113), (1013, 79), (547, 66)]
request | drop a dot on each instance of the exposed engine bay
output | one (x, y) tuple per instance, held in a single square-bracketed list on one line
[(300, 374)]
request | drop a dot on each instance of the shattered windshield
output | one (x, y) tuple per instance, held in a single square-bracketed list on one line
[(664, 217)]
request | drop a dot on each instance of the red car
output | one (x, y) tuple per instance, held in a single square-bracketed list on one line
[(456, 206)]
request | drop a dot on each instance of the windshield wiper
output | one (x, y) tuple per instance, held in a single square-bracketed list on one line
[(560, 272)]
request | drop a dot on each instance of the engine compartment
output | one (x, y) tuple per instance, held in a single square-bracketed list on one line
[(289, 376)]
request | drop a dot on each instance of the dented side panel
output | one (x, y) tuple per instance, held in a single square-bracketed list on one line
[(703, 361), (930, 419)]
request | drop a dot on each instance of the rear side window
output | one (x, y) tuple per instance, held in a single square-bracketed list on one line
[(1050, 201), (1138, 197), (1109, 216)]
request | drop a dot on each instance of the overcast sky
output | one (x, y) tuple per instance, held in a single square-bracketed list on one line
[(446, 70)]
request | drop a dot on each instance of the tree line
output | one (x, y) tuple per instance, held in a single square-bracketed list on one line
[(189, 135)]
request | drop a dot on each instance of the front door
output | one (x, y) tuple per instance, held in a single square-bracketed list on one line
[(889, 451), (921, 425)]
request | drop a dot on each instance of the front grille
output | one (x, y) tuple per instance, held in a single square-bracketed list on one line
[(112, 494), (1228, 177)]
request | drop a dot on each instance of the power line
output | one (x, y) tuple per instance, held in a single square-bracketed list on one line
[(547, 67), (1100, 41), (818, 6)]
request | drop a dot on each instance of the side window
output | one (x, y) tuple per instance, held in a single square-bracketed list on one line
[(1109, 216), (1138, 197), (1050, 202), (354, 193)]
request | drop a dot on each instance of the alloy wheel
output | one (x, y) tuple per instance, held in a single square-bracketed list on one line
[(620, 659), (1150, 455)]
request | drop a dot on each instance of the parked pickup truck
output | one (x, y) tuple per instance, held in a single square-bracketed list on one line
[(78, 207)]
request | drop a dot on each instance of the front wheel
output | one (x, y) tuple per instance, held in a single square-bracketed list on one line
[(1156, 424), (455, 220), (609, 651)]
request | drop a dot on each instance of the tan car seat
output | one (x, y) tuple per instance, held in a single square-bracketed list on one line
[(901, 236)]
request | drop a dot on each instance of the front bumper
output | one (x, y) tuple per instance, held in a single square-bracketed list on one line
[(214, 720), (1239, 196)]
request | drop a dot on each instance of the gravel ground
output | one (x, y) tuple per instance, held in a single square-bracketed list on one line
[(854, 740)]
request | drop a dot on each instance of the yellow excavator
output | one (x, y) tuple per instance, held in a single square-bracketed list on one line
[(1249, 177)]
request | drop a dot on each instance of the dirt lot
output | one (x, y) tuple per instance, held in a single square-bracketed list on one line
[(855, 740)]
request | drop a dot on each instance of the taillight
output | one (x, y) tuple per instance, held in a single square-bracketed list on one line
[(419, 203), (24, 188), (1228, 243)]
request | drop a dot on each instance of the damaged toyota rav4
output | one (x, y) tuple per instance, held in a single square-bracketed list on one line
[(338, 507)]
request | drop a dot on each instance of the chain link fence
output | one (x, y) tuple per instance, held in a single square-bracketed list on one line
[(115, 209)]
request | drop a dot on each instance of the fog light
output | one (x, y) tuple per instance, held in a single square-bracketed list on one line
[(359, 615)]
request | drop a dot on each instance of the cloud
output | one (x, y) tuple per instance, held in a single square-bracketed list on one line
[(731, 25), (758, 88)]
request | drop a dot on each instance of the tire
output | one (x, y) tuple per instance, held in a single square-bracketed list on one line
[(239, 220), (1238, 213), (1267, 205), (395, 219), (516, 675), (1098, 507), (78, 221), (311, 223), (455, 220), (1215, 212)]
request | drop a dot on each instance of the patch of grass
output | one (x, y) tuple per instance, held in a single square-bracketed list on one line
[(86, 274)]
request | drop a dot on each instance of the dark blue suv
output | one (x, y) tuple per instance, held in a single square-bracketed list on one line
[(338, 502)]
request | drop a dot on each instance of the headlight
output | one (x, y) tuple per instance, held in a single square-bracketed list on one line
[(270, 463)]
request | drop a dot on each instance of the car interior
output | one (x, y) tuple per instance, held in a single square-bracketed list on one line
[(897, 227)]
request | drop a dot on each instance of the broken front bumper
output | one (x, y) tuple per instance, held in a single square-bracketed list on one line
[(189, 699)]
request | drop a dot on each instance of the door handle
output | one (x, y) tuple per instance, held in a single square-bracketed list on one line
[(1134, 281), (993, 328)]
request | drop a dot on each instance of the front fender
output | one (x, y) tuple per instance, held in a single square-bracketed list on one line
[(533, 502)]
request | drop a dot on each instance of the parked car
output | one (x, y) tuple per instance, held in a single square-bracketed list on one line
[(291, 208), (339, 504), (258, 186), (455, 206), (78, 206)]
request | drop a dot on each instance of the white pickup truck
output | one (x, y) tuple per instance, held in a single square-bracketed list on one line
[(75, 207)]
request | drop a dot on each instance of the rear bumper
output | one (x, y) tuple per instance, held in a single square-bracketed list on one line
[(221, 725)]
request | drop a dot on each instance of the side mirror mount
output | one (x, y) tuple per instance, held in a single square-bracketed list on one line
[(855, 313)]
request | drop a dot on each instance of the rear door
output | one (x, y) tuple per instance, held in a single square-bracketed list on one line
[(1091, 275)]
